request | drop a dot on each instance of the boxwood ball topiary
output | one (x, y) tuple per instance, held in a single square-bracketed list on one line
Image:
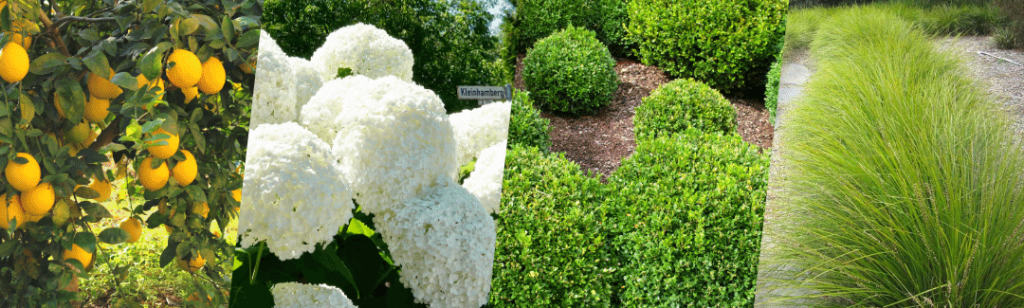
[(681, 105), (726, 44), (570, 71)]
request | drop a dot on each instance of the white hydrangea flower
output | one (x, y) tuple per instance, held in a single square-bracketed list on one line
[(273, 98), (485, 180), (393, 141), (308, 81), (366, 50), (293, 196), (444, 243), (322, 114), (479, 128), (299, 295)]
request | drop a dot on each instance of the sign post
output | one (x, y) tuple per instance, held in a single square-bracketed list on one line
[(485, 94)]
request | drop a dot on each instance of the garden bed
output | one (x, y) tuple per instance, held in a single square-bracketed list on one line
[(598, 142)]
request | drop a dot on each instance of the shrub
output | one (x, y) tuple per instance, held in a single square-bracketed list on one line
[(902, 176), (1011, 34), (688, 208), (552, 249), (607, 18), (771, 92), (570, 71), (680, 105), (526, 127), (721, 43)]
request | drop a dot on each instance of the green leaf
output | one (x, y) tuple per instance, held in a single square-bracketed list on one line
[(72, 98), (198, 136), (125, 80), (249, 39), (86, 192), (148, 6), (169, 253), (87, 241), (227, 27), (47, 63), (329, 259), (92, 157), (344, 72), (114, 235), (8, 248), (97, 63), (94, 209), (5, 18), (151, 63)]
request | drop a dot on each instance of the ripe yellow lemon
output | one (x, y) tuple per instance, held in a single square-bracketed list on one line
[(202, 209), (147, 84), (56, 103), (153, 178), (193, 264), (39, 200), (16, 212), (101, 87), (89, 139), (237, 194), (213, 76), (185, 171), (247, 66), (79, 133), (79, 254), (103, 188), (164, 151), (23, 176), (96, 109), (133, 226), (13, 63), (185, 69), (22, 31), (10, 210), (190, 93)]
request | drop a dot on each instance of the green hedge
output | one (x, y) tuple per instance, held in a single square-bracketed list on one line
[(534, 20), (771, 92), (552, 249), (526, 127), (680, 105), (688, 210), (570, 71), (726, 44)]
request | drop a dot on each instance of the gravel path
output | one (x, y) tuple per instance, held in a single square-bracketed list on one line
[(1002, 71)]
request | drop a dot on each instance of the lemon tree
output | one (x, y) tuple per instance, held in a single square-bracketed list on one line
[(161, 87)]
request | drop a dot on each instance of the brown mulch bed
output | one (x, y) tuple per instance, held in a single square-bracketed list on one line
[(598, 142)]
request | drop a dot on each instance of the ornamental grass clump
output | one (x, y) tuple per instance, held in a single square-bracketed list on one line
[(904, 177), (358, 187), (570, 71)]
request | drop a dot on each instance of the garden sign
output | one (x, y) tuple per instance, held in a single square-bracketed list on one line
[(485, 94)]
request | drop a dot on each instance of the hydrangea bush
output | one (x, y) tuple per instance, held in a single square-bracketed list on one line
[(355, 187)]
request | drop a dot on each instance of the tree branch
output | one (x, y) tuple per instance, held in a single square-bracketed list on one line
[(108, 134), (60, 22)]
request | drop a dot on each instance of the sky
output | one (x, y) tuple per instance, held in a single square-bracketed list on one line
[(497, 8)]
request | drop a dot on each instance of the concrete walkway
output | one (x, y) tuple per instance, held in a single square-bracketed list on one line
[(796, 70)]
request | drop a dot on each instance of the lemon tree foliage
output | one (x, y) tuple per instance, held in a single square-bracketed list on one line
[(161, 86)]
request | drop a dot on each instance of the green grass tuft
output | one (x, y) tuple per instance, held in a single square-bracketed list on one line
[(904, 178)]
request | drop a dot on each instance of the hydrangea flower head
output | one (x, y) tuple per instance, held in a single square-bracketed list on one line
[(366, 50), (298, 295), (444, 243), (293, 194), (485, 180), (392, 142), (307, 81), (479, 128), (273, 98)]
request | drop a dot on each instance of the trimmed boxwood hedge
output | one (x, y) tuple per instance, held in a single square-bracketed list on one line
[(688, 210), (771, 91), (680, 105), (726, 44), (527, 127), (570, 71), (551, 249)]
